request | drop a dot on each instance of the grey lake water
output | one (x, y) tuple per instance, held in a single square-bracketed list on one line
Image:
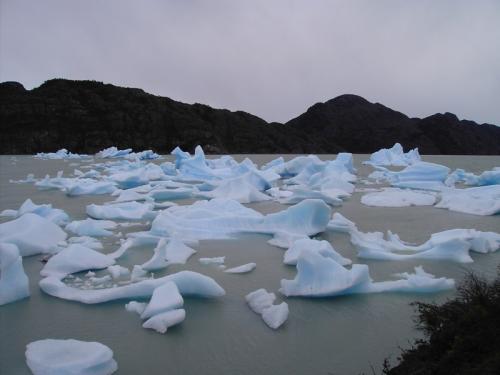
[(342, 335)]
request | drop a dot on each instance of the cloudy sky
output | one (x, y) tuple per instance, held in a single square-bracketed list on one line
[(270, 58)]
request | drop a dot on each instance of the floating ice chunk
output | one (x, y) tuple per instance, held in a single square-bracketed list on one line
[(91, 227), (55, 215), (485, 178), (285, 240), (323, 247), (122, 211), (130, 179), (221, 218), (276, 192), (59, 155), (14, 284), (118, 271), (89, 174), (143, 155), (100, 280), (241, 189), (69, 357), (161, 322), (455, 250), (273, 163), (138, 273), (259, 300), (75, 258), (90, 242), (421, 171), (214, 260), (331, 197), (113, 152), (129, 196), (398, 198), (245, 268), (171, 194), (89, 187), (165, 298), (483, 200), (318, 276), (341, 224), (189, 284), (168, 252), (394, 156), (136, 307), (275, 315), (32, 234)]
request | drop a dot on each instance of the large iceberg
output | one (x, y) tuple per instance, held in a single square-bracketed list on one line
[(14, 284), (394, 156), (56, 215), (67, 357), (189, 284), (221, 218), (319, 276), (32, 234)]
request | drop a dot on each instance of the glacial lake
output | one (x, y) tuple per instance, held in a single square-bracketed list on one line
[(342, 335)]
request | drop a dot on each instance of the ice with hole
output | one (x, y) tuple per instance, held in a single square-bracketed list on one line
[(319, 276), (56, 215), (32, 234), (189, 284), (58, 357), (14, 284)]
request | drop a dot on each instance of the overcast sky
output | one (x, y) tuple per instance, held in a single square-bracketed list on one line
[(270, 58)]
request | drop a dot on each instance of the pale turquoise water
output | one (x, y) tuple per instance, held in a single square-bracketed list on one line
[(345, 335)]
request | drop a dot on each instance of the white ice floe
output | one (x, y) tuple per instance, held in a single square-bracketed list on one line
[(165, 297), (14, 284), (319, 276), (261, 302), (214, 260), (75, 258), (421, 171), (90, 227), (122, 211), (323, 247), (245, 268), (223, 218), (189, 284), (89, 187), (86, 241), (167, 252), (59, 155), (136, 307), (56, 215), (161, 322), (67, 357), (113, 152), (275, 315), (391, 197), (284, 239), (332, 197), (482, 200), (32, 234), (394, 156), (118, 271)]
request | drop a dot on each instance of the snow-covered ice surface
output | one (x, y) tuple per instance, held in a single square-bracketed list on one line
[(398, 198), (50, 356), (90, 305)]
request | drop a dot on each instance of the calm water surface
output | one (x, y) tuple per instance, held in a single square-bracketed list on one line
[(343, 335)]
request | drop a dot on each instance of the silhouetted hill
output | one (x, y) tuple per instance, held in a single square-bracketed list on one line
[(87, 116)]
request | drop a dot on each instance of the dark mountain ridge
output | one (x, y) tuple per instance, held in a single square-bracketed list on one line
[(87, 116)]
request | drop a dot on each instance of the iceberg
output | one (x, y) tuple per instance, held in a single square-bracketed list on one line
[(168, 252), (331, 197), (59, 155), (165, 298), (136, 307), (32, 234), (394, 156), (275, 315), (485, 178), (214, 260), (14, 284), (55, 215), (91, 227), (318, 276), (245, 268), (189, 284), (75, 258), (391, 197), (161, 322), (113, 152), (89, 187), (222, 218), (482, 200), (122, 211), (323, 247), (52, 356), (118, 271)]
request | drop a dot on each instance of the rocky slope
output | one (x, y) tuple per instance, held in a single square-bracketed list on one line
[(87, 116)]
